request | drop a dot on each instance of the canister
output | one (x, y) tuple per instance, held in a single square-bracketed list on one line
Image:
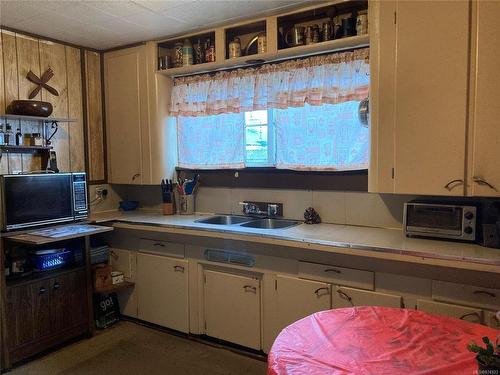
[(177, 54), (234, 48)]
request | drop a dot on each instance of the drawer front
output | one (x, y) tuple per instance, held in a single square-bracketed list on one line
[(455, 311), (172, 249), (348, 297), (337, 275), (466, 294), (491, 319)]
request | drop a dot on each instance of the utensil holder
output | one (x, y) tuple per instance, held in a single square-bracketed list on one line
[(186, 206), (168, 208)]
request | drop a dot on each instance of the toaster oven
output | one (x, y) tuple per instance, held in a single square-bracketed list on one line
[(440, 220)]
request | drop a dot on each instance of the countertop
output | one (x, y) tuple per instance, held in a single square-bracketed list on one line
[(345, 239)]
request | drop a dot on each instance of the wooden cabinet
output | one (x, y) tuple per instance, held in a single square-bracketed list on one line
[(348, 297), (40, 313), (232, 308), (484, 174), (297, 298), (455, 311), (162, 288), (420, 135), (141, 142)]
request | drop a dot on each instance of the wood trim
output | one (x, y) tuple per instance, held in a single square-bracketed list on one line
[(37, 36), (125, 46), (281, 178), (104, 128)]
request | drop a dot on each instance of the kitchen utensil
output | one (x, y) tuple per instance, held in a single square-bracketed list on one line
[(30, 108), (187, 203), (296, 34)]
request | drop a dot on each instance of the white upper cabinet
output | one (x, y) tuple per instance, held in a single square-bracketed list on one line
[(484, 171), (420, 60)]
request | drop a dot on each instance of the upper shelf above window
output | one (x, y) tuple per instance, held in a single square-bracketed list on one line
[(284, 36)]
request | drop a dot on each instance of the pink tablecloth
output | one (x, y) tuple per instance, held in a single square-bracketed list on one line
[(376, 340)]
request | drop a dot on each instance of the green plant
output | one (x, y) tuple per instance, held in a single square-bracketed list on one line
[(489, 356)]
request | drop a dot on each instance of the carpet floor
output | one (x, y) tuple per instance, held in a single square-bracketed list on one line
[(129, 349)]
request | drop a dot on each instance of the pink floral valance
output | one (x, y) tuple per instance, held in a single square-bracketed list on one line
[(326, 79)]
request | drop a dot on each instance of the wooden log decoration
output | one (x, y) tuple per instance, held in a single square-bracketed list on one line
[(41, 82)]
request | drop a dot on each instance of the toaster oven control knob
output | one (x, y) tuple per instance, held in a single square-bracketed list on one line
[(469, 215), (468, 230)]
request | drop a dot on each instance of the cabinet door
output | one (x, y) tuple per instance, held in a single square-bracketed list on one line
[(126, 262), (126, 114), (297, 298), (162, 291), (348, 297), (232, 308), (486, 116), (68, 300), (455, 311), (430, 91)]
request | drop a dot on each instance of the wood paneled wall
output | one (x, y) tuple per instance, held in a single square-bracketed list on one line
[(18, 55)]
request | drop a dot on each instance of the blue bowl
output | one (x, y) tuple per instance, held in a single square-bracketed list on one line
[(129, 205)]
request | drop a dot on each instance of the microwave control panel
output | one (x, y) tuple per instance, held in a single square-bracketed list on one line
[(80, 195)]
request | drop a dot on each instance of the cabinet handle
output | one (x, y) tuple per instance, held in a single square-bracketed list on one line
[(320, 289), (345, 296), (250, 288), (451, 185), (159, 244), (56, 285), (476, 314), (179, 268), (333, 270), (492, 295), (42, 290), (482, 181), (135, 176)]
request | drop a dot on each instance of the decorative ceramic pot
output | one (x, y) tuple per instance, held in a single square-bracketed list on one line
[(30, 108)]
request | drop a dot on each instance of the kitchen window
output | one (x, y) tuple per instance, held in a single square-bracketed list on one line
[(303, 116)]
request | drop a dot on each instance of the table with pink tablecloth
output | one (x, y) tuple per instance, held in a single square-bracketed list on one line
[(376, 340)]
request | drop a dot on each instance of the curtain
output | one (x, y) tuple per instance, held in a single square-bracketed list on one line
[(327, 79), (327, 137), (211, 142)]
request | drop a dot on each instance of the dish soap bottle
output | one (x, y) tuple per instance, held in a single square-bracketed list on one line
[(19, 137)]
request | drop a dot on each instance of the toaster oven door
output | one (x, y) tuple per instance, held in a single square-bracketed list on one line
[(438, 219)]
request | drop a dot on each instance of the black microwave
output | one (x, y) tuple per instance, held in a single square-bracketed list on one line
[(31, 200)]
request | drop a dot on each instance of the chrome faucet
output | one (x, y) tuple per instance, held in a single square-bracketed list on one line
[(252, 208)]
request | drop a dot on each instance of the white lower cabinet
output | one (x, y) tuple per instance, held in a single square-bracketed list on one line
[(126, 262), (297, 298), (162, 288), (232, 308), (491, 319), (348, 297), (455, 311)]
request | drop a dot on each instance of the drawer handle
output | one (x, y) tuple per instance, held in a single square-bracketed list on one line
[(56, 286), (476, 314), (250, 288), (179, 269), (333, 270), (42, 290), (492, 295), (320, 289), (159, 244), (482, 181), (345, 296)]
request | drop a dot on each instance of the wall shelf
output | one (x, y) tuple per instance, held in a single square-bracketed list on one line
[(14, 149), (36, 118)]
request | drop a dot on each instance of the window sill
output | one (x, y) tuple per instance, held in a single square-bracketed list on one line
[(270, 177)]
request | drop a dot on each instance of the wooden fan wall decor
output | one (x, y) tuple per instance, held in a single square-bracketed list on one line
[(41, 82)]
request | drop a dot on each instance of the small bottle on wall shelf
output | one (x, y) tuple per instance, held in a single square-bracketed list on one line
[(19, 137), (8, 136)]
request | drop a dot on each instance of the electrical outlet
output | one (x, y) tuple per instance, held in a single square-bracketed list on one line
[(101, 192)]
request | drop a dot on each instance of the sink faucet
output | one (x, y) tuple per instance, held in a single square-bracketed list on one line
[(252, 208)]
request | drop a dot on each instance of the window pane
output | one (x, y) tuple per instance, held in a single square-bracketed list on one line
[(256, 118), (326, 137), (256, 144), (211, 142)]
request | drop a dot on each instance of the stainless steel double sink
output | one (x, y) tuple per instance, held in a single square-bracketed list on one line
[(248, 222)]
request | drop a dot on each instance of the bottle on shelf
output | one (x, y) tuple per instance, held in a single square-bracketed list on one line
[(209, 51), (19, 137), (198, 53), (187, 53), (8, 136)]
